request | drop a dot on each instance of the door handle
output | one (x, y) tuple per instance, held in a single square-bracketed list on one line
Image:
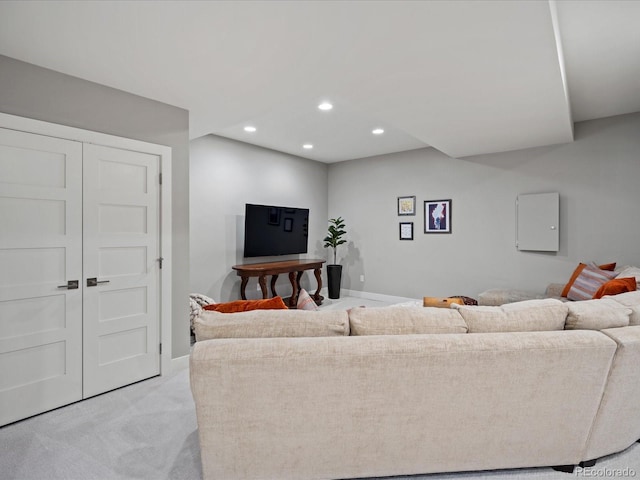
[(71, 285), (94, 282)]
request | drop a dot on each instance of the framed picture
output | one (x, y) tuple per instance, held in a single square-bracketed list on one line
[(437, 216), (406, 230), (406, 205)]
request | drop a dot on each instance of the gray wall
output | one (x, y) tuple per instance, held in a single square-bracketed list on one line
[(596, 176), (226, 174), (35, 92)]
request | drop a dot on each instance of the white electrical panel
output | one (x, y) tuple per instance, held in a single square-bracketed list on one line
[(538, 222)]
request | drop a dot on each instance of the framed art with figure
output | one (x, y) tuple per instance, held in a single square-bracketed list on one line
[(437, 216)]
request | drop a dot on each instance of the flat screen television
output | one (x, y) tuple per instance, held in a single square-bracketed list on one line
[(271, 230)]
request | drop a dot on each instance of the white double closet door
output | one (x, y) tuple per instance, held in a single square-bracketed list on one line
[(79, 272)]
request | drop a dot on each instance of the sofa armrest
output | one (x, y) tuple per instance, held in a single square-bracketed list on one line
[(617, 425)]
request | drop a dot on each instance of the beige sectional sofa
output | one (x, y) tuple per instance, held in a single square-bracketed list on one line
[(408, 390)]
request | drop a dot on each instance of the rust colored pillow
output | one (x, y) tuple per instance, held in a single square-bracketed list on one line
[(275, 303), (605, 266), (616, 286)]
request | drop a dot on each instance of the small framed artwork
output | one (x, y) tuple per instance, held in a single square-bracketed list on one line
[(406, 205), (437, 216), (406, 230)]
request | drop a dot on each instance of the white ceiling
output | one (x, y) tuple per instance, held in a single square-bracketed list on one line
[(466, 77)]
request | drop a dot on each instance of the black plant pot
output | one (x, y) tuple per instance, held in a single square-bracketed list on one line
[(334, 277)]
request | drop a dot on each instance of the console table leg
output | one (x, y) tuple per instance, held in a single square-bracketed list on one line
[(273, 285), (318, 274), (293, 301), (243, 286), (262, 280)]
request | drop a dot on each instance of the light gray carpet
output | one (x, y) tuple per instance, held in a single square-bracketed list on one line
[(143, 431), (148, 431)]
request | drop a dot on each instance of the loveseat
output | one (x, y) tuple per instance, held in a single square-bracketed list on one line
[(409, 390)]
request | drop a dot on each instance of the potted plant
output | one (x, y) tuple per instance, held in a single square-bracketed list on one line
[(333, 239)]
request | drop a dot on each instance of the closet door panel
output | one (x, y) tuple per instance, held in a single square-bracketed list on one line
[(121, 251), (40, 252)]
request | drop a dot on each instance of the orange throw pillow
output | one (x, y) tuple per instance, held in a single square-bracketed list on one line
[(616, 286), (275, 303), (606, 266)]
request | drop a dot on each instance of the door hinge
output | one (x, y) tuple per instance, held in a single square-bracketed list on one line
[(160, 349), (160, 260), (160, 178)]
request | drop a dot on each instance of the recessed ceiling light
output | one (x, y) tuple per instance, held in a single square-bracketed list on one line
[(250, 129), (308, 146), (325, 106), (377, 131)]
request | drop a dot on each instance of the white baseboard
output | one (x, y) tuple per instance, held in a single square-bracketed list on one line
[(375, 296), (370, 296), (179, 363)]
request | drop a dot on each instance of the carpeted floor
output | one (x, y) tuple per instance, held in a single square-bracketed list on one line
[(148, 431), (143, 431)]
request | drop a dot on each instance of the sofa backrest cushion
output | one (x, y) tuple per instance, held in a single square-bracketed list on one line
[(631, 300), (405, 321), (527, 316), (597, 315), (271, 323)]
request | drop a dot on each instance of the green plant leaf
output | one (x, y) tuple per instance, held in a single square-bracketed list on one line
[(336, 230)]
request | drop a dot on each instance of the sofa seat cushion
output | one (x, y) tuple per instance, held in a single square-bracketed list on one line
[(526, 316), (271, 323), (597, 314), (631, 300), (396, 320)]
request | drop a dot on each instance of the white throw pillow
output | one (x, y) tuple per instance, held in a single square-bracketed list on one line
[(305, 302), (627, 271)]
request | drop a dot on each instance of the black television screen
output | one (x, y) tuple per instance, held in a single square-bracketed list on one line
[(271, 230)]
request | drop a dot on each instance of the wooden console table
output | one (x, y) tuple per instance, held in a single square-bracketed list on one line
[(295, 269)]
